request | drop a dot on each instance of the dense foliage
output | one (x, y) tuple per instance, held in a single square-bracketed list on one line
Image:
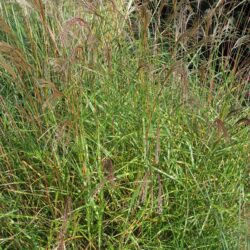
[(117, 132)]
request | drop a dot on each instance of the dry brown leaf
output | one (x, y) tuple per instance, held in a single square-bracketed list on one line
[(63, 231), (220, 125), (245, 121), (108, 169)]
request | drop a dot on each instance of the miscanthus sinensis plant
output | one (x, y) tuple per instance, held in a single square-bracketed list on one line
[(108, 140)]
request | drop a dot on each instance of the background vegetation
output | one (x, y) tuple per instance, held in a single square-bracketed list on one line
[(116, 133)]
